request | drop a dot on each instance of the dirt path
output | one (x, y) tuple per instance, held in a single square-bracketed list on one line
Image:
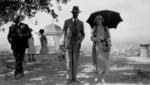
[(48, 71)]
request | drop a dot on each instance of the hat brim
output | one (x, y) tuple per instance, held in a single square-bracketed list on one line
[(75, 11), (30, 29)]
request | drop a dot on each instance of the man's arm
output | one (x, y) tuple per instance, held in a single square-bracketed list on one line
[(9, 36), (64, 31), (82, 33), (28, 32)]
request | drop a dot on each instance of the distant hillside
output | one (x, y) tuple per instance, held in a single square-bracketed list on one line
[(125, 45), (87, 49), (4, 47)]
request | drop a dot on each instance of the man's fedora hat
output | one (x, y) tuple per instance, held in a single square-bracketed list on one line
[(75, 9)]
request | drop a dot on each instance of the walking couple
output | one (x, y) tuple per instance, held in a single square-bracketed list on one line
[(73, 36)]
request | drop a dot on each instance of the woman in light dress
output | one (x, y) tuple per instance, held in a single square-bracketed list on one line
[(31, 50), (101, 48), (43, 41)]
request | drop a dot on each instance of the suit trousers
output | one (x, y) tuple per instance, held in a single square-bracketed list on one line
[(19, 55), (72, 59)]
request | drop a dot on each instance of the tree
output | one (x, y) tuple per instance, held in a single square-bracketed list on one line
[(9, 8)]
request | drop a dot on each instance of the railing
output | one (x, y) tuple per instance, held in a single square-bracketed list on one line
[(51, 49)]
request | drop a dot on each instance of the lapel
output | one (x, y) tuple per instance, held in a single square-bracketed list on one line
[(77, 27), (72, 24)]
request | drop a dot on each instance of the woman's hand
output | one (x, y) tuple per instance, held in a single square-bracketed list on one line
[(109, 42), (102, 39), (93, 38)]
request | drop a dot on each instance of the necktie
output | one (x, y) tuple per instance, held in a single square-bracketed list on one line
[(75, 29), (75, 21)]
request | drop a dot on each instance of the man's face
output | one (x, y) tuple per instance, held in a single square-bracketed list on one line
[(16, 20), (75, 14)]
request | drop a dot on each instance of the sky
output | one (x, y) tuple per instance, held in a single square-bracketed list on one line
[(135, 14)]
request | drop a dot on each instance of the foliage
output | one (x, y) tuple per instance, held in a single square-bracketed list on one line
[(9, 8)]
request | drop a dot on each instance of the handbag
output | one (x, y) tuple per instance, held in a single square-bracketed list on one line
[(105, 46)]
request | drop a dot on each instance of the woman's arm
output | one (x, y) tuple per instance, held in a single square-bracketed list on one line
[(93, 37), (109, 37)]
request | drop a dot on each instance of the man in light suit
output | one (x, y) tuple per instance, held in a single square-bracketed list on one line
[(73, 36)]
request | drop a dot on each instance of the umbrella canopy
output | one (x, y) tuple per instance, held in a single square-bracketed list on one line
[(111, 18), (53, 29)]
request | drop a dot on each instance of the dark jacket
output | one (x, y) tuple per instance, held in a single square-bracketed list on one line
[(18, 36)]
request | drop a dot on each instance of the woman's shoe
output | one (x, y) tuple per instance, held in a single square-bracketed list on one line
[(102, 80), (96, 80)]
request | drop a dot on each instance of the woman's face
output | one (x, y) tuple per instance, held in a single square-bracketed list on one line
[(99, 21)]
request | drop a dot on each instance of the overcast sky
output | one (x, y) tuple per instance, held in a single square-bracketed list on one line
[(135, 15)]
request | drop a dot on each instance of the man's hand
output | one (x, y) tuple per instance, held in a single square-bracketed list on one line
[(78, 44), (109, 42), (19, 33)]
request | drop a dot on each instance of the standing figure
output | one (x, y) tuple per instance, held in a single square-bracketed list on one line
[(101, 48), (31, 50), (18, 36), (43, 40), (73, 36), (62, 51)]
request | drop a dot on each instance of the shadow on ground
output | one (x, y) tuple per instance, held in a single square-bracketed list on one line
[(48, 71)]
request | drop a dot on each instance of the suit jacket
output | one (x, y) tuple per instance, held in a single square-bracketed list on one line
[(18, 36), (68, 33)]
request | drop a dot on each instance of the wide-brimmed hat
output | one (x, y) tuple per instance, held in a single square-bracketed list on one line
[(99, 17), (75, 9)]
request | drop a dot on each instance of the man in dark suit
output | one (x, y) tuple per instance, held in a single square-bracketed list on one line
[(73, 36), (18, 36)]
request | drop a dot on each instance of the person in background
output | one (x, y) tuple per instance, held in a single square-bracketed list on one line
[(102, 44), (43, 41), (31, 50), (62, 52), (18, 36)]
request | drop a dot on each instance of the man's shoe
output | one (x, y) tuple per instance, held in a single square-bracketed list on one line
[(69, 81), (9, 77), (33, 59), (18, 76), (75, 80), (30, 60)]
